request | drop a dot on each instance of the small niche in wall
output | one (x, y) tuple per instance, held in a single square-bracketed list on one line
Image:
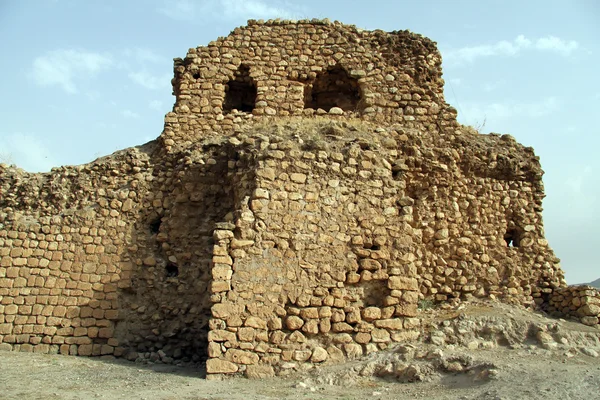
[(171, 270), (333, 88), (240, 92), (512, 237), (155, 225)]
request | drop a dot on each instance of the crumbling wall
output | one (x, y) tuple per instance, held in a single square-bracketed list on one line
[(580, 302), (306, 68)]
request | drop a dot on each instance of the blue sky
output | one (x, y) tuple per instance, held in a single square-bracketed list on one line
[(82, 79)]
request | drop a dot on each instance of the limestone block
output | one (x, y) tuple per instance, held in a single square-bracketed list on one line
[(371, 313), (309, 313), (220, 335), (302, 355), (392, 324), (256, 322), (224, 310), (589, 310), (241, 356), (402, 283), (219, 366), (298, 178), (259, 371), (293, 322), (380, 336), (311, 327), (319, 354)]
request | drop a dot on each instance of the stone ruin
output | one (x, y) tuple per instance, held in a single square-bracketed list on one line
[(310, 190)]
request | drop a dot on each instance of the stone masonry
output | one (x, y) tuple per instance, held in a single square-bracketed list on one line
[(310, 188)]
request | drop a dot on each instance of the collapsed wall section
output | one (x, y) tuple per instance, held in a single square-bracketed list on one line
[(111, 258)]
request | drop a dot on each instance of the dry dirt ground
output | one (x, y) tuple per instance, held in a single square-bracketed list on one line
[(478, 352)]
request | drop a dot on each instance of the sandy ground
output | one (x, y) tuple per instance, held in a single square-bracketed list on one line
[(525, 370), (521, 374)]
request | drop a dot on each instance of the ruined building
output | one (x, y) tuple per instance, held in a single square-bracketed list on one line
[(310, 187)]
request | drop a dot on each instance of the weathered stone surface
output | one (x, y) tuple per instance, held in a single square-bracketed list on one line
[(259, 371), (218, 366), (402, 283), (293, 322), (359, 187), (241, 356)]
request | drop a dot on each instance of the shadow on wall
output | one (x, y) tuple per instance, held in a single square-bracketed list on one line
[(166, 301)]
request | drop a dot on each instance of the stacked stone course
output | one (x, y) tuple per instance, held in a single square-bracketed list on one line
[(581, 302), (276, 222), (295, 66)]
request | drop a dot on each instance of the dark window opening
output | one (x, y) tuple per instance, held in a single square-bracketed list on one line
[(196, 75), (333, 88), (240, 92), (512, 237), (155, 225), (172, 270)]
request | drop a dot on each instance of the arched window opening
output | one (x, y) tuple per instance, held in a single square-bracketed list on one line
[(240, 92), (512, 237), (333, 88)]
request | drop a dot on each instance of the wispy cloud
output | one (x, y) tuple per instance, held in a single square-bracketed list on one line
[(223, 9), (64, 68), (27, 152), (144, 55), (552, 44), (251, 9), (150, 81), (496, 111)]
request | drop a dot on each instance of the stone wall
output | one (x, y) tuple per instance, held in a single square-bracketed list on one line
[(579, 302), (282, 68), (259, 233)]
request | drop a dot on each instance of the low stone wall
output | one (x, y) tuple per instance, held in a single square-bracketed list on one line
[(580, 302)]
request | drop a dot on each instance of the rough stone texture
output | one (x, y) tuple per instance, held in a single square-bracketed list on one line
[(581, 302), (309, 188)]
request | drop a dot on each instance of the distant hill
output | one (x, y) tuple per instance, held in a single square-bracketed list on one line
[(595, 283)]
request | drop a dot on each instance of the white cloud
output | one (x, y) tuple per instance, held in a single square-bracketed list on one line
[(27, 152), (251, 9), (64, 67), (496, 111), (150, 81), (145, 55), (130, 114), (553, 44), (223, 9)]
